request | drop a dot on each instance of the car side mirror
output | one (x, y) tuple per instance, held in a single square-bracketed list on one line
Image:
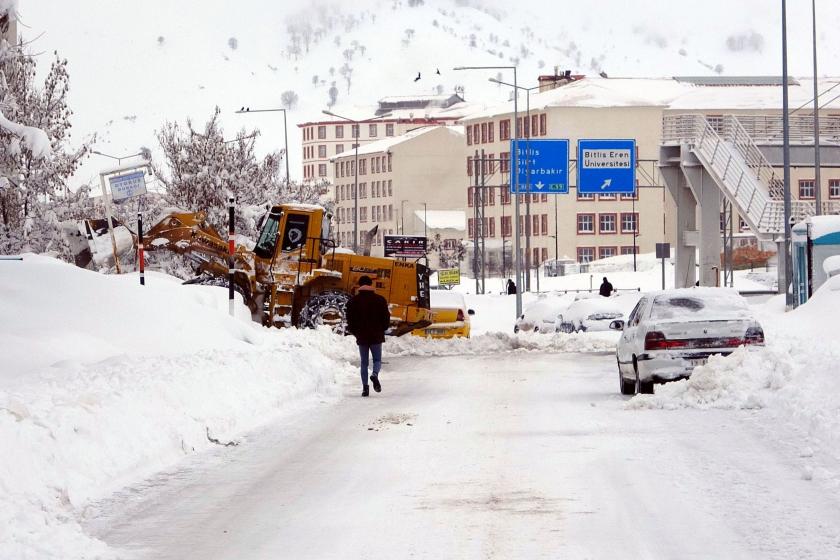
[(617, 325), (470, 311)]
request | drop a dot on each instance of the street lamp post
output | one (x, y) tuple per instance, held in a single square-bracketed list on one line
[(285, 134), (818, 190), (517, 249), (528, 223), (358, 130), (786, 152)]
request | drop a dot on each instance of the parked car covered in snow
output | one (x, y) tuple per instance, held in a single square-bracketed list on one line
[(540, 315), (671, 332), (596, 314), (450, 316)]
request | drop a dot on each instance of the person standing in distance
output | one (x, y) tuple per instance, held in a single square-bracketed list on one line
[(606, 288), (368, 318)]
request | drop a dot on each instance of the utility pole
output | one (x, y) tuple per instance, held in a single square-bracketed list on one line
[(818, 183), (786, 150)]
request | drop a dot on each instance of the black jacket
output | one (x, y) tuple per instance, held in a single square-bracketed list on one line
[(606, 289), (368, 317)]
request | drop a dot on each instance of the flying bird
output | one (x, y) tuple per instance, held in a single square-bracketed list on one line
[(417, 79), (603, 74), (438, 71), (242, 108)]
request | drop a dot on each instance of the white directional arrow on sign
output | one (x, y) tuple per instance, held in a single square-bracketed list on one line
[(607, 183), (539, 185)]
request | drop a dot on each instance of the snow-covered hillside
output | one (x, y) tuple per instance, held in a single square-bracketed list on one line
[(134, 68)]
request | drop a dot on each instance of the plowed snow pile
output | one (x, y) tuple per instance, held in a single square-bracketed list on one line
[(795, 374), (104, 382)]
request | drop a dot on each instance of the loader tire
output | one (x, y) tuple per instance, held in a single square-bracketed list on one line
[(326, 308)]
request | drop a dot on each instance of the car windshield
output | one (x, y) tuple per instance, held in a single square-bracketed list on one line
[(693, 308)]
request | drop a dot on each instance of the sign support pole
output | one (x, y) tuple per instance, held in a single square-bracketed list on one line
[(230, 255), (107, 198), (140, 252)]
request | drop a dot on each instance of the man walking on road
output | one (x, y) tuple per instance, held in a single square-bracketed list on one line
[(606, 288), (368, 318)]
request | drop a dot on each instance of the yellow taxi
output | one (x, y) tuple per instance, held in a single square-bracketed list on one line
[(450, 316)]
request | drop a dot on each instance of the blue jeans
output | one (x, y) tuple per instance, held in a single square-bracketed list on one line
[(376, 351)]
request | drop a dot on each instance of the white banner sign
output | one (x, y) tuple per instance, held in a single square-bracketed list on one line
[(127, 186)]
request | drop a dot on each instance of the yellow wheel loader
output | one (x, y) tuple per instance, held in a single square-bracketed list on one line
[(295, 275)]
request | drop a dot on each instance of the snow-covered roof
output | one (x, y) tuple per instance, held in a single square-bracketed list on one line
[(386, 144), (757, 97), (442, 219), (671, 93)]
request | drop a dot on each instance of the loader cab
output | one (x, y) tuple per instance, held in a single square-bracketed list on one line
[(293, 228)]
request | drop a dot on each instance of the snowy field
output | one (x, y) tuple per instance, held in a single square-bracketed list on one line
[(105, 384)]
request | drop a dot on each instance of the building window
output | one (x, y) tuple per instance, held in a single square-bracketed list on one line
[(742, 225), (535, 124), (322, 151), (339, 148), (631, 196), (834, 188), (469, 166), (606, 252), (629, 250), (629, 222), (543, 126), (492, 223), (476, 133), (490, 131), (504, 194), (390, 212), (585, 254), (362, 190), (339, 131), (389, 129), (606, 197), (470, 227), (504, 164), (483, 133), (469, 136), (363, 167), (536, 257), (506, 227), (389, 162), (806, 189), (372, 130), (606, 223), (585, 224), (354, 129), (504, 129), (543, 197), (585, 196), (470, 196), (374, 165), (390, 188), (322, 132), (544, 220), (535, 225), (363, 213)]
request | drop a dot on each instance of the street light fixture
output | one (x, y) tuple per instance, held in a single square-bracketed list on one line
[(355, 123), (285, 133), (517, 249)]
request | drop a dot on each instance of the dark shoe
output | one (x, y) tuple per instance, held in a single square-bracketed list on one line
[(365, 391), (376, 386)]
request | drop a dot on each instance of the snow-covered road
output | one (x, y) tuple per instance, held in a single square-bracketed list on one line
[(514, 455)]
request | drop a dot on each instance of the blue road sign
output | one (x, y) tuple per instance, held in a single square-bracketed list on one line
[(545, 162), (606, 166)]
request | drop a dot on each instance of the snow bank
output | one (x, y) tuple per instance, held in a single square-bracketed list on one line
[(105, 382), (795, 374), (502, 342)]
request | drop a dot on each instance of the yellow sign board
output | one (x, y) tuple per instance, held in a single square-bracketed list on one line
[(449, 276)]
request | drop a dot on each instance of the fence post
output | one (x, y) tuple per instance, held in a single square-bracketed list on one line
[(230, 255), (140, 249)]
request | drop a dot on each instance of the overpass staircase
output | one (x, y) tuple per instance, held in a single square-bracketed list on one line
[(730, 155)]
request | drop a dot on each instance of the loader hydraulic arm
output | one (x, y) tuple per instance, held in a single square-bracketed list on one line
[(189, 234)]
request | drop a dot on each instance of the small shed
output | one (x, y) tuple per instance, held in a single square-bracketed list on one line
[(815, 240)]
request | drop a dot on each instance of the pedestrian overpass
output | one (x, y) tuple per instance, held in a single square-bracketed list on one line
[(730, 163)]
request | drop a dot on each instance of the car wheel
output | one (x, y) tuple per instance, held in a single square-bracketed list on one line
[(627, 387), (641, 387)]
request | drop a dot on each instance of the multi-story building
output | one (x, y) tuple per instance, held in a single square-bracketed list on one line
[(325, 139), (397, 176), (587, 227)]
